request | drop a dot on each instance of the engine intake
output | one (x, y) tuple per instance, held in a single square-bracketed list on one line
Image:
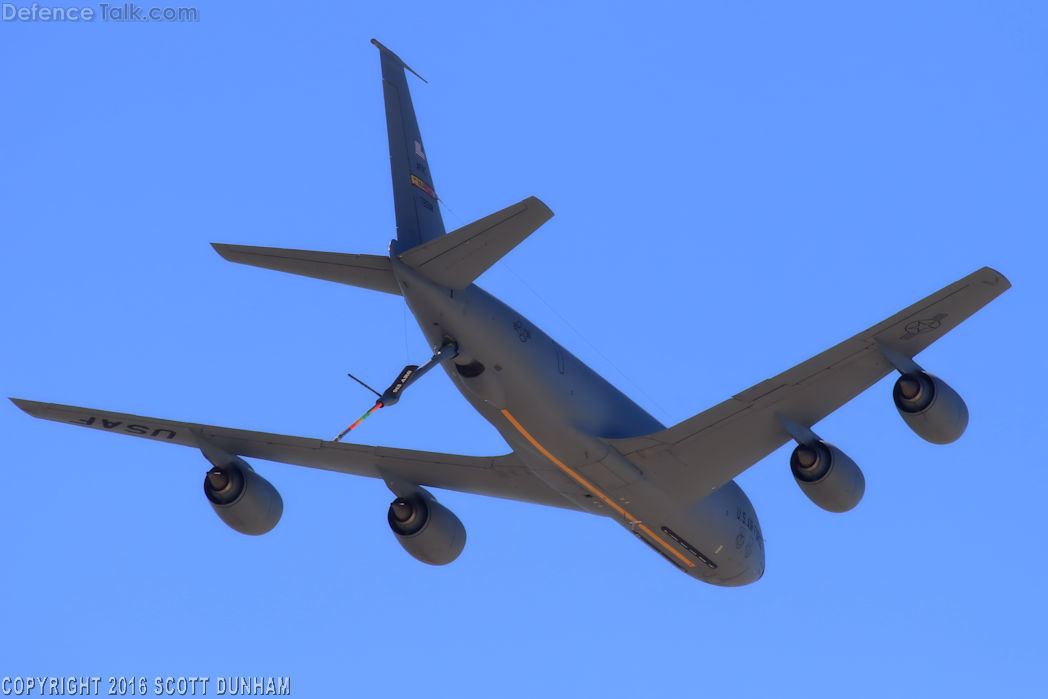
[(930, 407), (827, 476), (426, 529), (244, 500)]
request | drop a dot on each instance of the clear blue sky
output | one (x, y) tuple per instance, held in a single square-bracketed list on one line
[(736, 188)]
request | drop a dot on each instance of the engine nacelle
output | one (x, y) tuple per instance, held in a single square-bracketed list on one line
[(243, 499), (827, 476), (930, 407), (426, 529)]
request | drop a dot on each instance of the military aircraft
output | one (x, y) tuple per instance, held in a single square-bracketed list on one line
[(576, 441)]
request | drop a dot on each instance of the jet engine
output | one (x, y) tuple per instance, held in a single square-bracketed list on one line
[(930, 407), (243, 499), (426, 529), (827, 476)]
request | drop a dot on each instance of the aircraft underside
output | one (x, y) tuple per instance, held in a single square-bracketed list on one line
[(577, 442), (553, 411)]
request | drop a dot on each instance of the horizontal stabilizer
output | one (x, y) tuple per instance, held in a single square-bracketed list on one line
[(456, 259), (367, 271)]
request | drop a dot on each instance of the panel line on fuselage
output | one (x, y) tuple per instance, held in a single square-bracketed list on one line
[(630, 519)]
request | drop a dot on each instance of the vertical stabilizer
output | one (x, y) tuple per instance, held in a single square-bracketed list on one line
[(414, 198)]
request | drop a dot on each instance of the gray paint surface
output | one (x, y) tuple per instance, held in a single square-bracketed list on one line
[(577, 441)]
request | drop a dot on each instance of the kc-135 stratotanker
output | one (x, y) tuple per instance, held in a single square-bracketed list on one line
[(577, 442)]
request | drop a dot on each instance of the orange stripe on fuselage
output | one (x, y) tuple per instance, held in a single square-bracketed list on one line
[(593, 489)]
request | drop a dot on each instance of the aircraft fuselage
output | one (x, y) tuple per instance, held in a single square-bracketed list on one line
[(553, 411)]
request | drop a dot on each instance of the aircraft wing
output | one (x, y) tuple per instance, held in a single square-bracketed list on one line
[(496, 476), (699, 455)]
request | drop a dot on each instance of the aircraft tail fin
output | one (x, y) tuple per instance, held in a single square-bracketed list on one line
[(414, 199), (456, 259)]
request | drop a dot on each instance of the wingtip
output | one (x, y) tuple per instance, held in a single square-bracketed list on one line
[(24, 405), (995, 278), (1004, 281), (541, 206), (224, 250)]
